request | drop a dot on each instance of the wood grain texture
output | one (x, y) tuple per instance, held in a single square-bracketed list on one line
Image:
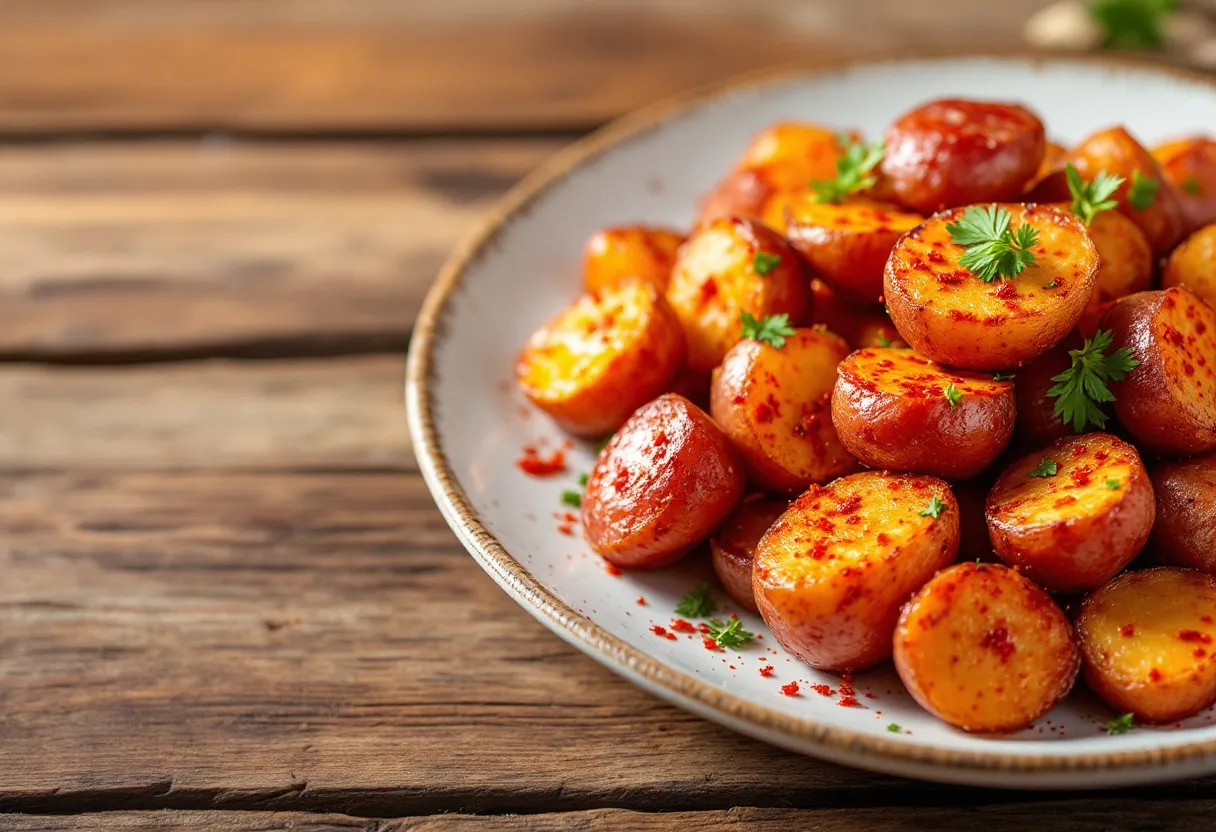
[(367, 65), (151, 250)]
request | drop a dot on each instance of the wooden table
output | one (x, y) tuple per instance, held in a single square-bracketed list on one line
[(226, 598)]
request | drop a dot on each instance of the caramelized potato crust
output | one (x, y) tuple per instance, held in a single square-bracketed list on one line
[(633, 252), (1185, 531), (1193, 265), (734, 546), (1190, 166), (1125, 265)]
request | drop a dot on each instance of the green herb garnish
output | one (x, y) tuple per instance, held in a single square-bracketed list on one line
[(992, 250), (572, 499), (1120, 724), (953, 396), (934, 509), (1143, 191), (853, 171), (763, 263), (730, 634), (1092, 198), (1046, 469), (771, 330), (1132, 24), (697, 603), (1082, 387)]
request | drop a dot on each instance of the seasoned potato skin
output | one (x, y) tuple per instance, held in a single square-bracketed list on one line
[(1193, 265), (847, 245), (1190, 166), (984, 649), (1037, 423), (955, 152), (714, 280), (891, 411), (830, 575), (743, 193), (633, 252), (1168, 403), (662, 484), (775, 405), (734, 546), (952, 317), (1185, 531), (1125, 265), (600, 359), (1053, 160), (1147, 642), (1072, 531)]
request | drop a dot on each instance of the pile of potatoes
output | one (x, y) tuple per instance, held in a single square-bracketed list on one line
[(888, 477)]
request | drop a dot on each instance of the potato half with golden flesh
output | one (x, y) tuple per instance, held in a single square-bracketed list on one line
[(602, 358), (1193, 265), (1125, 265), (895, 409), (984, 649), (776, 406), (662, 484), (728, 267), (1185, 531), (832, 572), (952, 317), (1190, 166), (635, 252), (734, 546), (1168, 403), (1074, 514), (1147, 642), (847, 245)]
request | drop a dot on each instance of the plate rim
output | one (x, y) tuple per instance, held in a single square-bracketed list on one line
[(738, 712)]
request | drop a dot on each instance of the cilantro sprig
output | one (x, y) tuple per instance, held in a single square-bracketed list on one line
[(729, 634), (1143, 191), (853, 171), (771, 329), (992, 249), (697, 603), (934, 509), (1120, 724), (1081, 388), (1092, 198)]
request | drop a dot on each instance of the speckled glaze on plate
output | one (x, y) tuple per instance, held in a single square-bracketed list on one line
[(469, 424)]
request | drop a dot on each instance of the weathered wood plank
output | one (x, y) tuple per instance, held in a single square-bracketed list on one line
[(179, 249), (308, 65), (335, 414)]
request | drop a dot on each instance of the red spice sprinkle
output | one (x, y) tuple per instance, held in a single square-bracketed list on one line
[(682, 626), (702, 628), (791, 689), (998, 641), (662, 632), (612, 569), (1127, 630), (641, 600), (1200, 652), (767, 670), (1006, 290), (1154, 675), (535, 465), (823, 690), (566, 529), (1195, 635), (848, 697), (710, 644)]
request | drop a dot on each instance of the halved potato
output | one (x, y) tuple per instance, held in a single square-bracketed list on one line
[(603, 357), (1185, 531), (632, 252), (984, 649), (1168, 403), (743, 193), (1190, 165), (776, 406), (1193, 265), (952, 317), (734, 546), (1147, 642), (957, 152), (731, 266), (832, 572), (847, 245), (895, 409), (1074, 529), (662, 484), (1125, 265)]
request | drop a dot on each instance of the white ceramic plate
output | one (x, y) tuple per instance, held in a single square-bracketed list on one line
[(469, 423)]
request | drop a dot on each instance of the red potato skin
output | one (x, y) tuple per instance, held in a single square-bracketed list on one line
[(743, 193), (957, 152), (1037, 423), (734, 547), (663, 483), (1190, 165), (1184, 533)]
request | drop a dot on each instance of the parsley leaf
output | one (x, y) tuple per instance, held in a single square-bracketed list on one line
[(884, 341), (1190, 185), (1131, 24), (730, 635), (1053, 284), (771, 330), (582, 479), (992, 250), (572, 499), (1082, 387), (1112, 484), (1120, 724), (1002, 376), (934, 509), (952, 395), (697, 603), (764, 263), (853, 172), (1143, 191), (1092, 198), (895, 729), (1046, 469)]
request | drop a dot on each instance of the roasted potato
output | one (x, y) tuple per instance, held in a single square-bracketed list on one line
[(1190, 166), (1074, 514), (1038, 423), (1168, 402), (833, 311), (662, 484), (743, 193), (1147, 642), (1125, 265), (734, 546), (832, 572), (1053, 160), (727, 267), (984, 649), (637, 252), (895, 409), (1185, 531), (874, 328), (1193, 265), (956, 152), (602, 358), (776, 407), (847, 245), (952, 317)]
